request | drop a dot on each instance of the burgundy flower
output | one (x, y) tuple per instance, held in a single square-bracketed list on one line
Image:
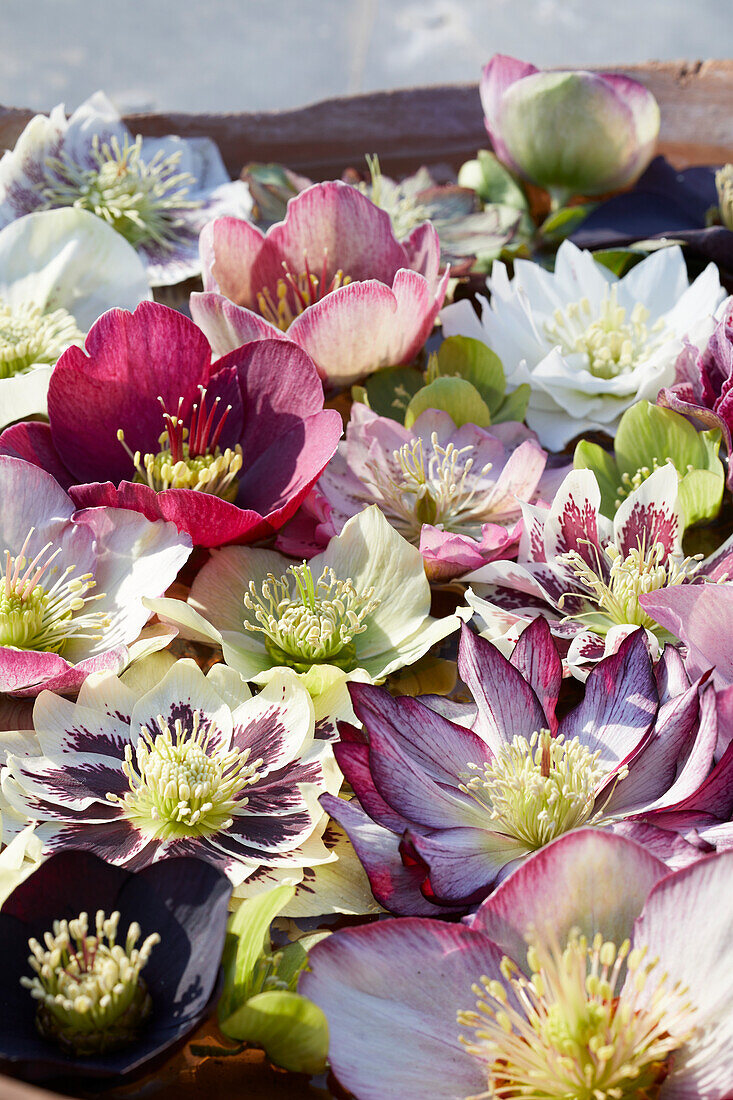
[(142, 419)]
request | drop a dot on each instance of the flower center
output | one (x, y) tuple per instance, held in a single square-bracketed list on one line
[(314, 624), (566, 1033), (141, 200), (190, 458), (295, 292), (611, 344), (537, 789), (639, 572), (405, 210), (44, 616), (181, 783), (440, 489), (724, 187), (29, 336), (91, 998)]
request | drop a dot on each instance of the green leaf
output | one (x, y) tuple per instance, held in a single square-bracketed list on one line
[(561, 223), (701, 494), (455, 396), (247, 939), (514, 405), (291, 1029), (647, 432), (473, 361), (388, 391), (591, 456), (619, 260), (492, 182)]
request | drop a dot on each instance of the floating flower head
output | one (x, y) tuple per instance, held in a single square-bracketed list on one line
[(192, 766), (571, 132), (360, 609), (71, 583), (588, 344), (59, 270), (142, 419), (332, 277), (591, 972), (105, 969), (445, 812), (588, 574), (157, 193), (452, 492)]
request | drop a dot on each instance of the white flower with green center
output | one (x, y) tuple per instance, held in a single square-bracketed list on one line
[(589, 344), (157, 193), (59, 270), (359, 610), (567, 1031), (90, 995)]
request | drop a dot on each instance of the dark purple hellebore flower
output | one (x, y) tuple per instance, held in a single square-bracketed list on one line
[(244, 437), (183, 900)]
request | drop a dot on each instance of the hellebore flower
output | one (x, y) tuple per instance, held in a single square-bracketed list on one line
[(702, 385), (591, 972), (647, 437), (669, 204), (332, 277), (590, 345), (72, 582), (448, 811), (142, 419), (360, 609), (586, 574), (701, 616), (157, 193), (18, 859), (452, 492), (572, 132), (194, 766), (59, 270), (104, 969)]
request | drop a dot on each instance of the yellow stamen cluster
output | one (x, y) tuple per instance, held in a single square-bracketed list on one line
[(611, 344), (293, 295), (566, 1032), (214, 472), (28, 336), (91, 997)]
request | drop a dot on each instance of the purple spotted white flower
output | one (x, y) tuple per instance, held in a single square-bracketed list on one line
[(586, 573), (157, 192), (193, 766)]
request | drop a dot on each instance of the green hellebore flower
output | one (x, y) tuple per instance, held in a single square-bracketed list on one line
[(647, 437)]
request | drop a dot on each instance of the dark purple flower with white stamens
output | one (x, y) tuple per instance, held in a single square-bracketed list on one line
[(448, 811), (106, 970), (194, 766)]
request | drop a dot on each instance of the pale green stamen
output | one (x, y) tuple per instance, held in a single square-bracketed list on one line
[(724, 187), (611, 343), (141, 200), (28, 336), (44, 617), (534, 790), (567, 1032), (91, 997), (314, 624), (180, 784)]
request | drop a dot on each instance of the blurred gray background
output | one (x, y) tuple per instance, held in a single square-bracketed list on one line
[(240, 55)]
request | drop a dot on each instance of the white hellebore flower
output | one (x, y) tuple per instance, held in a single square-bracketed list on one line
[(59, 271), (158, 193), (589, 344), (358, 611)]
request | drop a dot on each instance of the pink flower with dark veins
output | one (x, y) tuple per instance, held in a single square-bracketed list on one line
[(142, 419), (332, 277)]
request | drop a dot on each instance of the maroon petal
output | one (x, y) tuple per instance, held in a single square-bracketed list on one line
[(536, 657), (32, 442)]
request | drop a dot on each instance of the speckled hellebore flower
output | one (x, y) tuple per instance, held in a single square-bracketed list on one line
[(157, 192), (586, 573), (332, 277), (445, 811), (72, 582), (452, 491), (142, 419), (193, 766), (571, 132), (360, 609), (589, 344), (59, 270), (590, 973), (106, 970)]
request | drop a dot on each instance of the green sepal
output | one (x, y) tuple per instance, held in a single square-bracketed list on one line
[(248, 938), (591, 456), (492, 182), (472, 360), (514, 405), (459, 398), (388, 391), (292, 1030), (701, 495), (561, 223), (619, 260)]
